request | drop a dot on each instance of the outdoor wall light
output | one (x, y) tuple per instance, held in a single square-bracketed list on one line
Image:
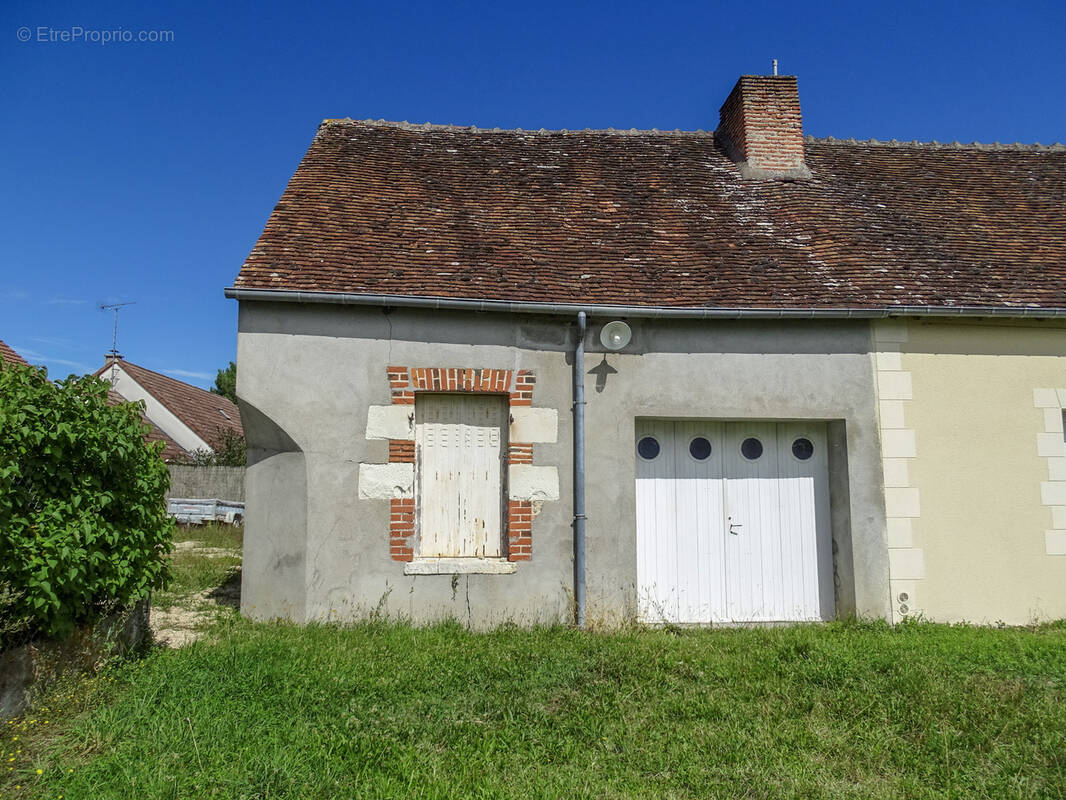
[(615, 335)]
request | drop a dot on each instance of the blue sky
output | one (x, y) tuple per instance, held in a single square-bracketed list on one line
[(144, 172)]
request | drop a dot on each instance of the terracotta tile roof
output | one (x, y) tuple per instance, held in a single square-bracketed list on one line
[(208, 414), (172, 451), (664, 219), (9, 356)]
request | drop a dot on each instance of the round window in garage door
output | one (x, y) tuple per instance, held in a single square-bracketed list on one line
[(700, 448), (803, 448), (648, 448), (751, 448)]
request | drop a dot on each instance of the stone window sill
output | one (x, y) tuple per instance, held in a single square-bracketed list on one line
[(459, 566)]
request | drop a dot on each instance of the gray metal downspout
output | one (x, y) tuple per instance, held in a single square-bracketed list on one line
[(579, 472)]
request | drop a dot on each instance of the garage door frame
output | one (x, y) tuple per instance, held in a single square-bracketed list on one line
[(830, 518)]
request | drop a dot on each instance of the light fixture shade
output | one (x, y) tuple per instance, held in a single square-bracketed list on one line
[(615, 335)]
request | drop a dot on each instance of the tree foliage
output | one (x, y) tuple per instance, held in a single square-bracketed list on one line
[(226, 382), (83, 524), (232, 451)]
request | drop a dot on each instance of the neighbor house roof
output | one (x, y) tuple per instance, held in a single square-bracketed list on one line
[(656, 218), (172, 451), (206, 413), (9, 356)]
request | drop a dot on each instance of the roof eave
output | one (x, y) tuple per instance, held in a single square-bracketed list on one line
[(652, 312)]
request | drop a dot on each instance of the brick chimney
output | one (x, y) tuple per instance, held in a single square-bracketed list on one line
[(761, 128)]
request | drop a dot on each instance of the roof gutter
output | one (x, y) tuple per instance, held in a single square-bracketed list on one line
[(651, 312)]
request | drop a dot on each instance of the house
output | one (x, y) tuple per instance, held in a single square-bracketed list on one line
[(187, 419), (172, 452), (182, 408), (816, 378), (9, 356)]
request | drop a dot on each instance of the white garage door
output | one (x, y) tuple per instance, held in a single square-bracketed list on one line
[(733, 522)]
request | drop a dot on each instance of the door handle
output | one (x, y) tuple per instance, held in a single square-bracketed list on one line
[(733, 525)]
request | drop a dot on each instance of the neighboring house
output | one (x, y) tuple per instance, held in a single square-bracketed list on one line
[(9, 356), (843, 395), (185, 418), (172, 452)]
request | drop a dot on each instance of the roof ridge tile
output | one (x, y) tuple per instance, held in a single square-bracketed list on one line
[(446, 127), (934, 144)]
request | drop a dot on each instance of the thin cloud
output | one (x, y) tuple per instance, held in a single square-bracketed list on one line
[(41, 359), (65, 363), (56, 341), (186, 374)]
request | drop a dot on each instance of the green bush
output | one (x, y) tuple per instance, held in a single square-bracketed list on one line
[(231, 451), (83, 525)]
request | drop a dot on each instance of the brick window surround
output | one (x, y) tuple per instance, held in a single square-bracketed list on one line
[(404, 383)]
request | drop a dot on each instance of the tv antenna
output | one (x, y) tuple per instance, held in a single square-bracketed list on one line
[(114, 354)]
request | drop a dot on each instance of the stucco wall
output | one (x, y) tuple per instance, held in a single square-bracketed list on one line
[(308, 374), (986, 463)]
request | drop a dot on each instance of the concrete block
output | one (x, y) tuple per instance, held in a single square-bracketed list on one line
[(906, 563), (1055, 543), (1046, 398), (223, 483), (1053, 493), (889, 361), (898, 443), (385, 481), (902, 502), (1060, 394), (900, 532), (1050, 445), (894, 386), (459, 566), (526, 482), (1058, 517), (891, 414), (1056, 467), (1053, 420), (390, 422), (531, 425), (896, 472)]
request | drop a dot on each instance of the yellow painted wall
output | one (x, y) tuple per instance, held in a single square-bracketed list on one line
[(980, 540)]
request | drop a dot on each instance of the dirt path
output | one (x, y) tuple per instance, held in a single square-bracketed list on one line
[(184, 622)]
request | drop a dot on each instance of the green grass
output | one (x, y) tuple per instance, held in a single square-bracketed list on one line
[(211, 535), (196, 571), (382, 710)]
